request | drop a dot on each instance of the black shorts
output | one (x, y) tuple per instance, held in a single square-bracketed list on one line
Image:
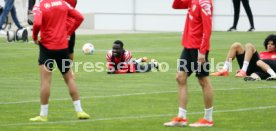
[(71, 43), (188, 63), (263, 74), (252, 67), (47, 58)]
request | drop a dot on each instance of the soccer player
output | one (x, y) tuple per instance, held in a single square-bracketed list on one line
[(50, 20), (119, 61), (249, 59), (194, 58)]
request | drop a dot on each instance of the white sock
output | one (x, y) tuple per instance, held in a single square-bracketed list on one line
[(182, 113), (208, 114), (271, 72), (245, 66), (139, 60), (77, 105), (227, 65), (44, 110)]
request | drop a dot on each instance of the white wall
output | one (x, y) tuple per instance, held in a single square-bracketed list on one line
[(21, 8), (264, 13), (157, 15)]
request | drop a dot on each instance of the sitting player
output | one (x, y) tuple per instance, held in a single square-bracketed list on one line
[(119, 61), (249, 59)]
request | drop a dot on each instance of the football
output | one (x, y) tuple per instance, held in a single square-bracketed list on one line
[(88, 49)]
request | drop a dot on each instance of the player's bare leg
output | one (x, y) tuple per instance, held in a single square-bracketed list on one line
[(181, 78), (45, 82), (181, 120), (207, 121), (250, 50), (70, 82), (265, 67), (235, 49)]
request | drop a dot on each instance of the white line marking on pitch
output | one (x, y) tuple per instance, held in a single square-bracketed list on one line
[(119, 95), (135, 117)]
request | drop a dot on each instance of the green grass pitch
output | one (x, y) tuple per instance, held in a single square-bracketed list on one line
[(132, 101)]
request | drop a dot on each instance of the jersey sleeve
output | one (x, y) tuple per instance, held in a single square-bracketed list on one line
[(206, 15), (127, 56), (181, 4), (69, 24), (37, 21), (109, 56), (75, 16), (110, 65)]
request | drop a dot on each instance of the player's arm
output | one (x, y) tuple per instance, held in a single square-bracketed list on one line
[(206, 15), (128, 56), (110, 65), (76, 16), (37, 23), (130, 63), (181, 4)]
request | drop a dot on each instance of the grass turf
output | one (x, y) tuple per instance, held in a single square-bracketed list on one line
[(132, 101)]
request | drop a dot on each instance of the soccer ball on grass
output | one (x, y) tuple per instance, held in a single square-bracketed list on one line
[(88, 49)]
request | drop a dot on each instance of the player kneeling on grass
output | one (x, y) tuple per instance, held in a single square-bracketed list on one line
[(50, 20), (250, 61), (119, 61)]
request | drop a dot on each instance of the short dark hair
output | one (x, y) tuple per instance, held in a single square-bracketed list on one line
[(119, 42), (271, 37)]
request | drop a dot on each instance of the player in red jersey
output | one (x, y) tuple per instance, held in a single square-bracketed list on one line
[(267, 64), (249, 59), (120, 61), (194, 58), (50, 18)]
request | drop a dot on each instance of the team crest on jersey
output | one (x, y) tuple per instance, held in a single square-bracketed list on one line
[(273, 56)]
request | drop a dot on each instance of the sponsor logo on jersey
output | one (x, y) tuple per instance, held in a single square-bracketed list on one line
[(206, 7)]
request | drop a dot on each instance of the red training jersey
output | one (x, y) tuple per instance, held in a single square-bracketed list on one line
[(198, 26), (267, 55), (120, 64), (50, 18)]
